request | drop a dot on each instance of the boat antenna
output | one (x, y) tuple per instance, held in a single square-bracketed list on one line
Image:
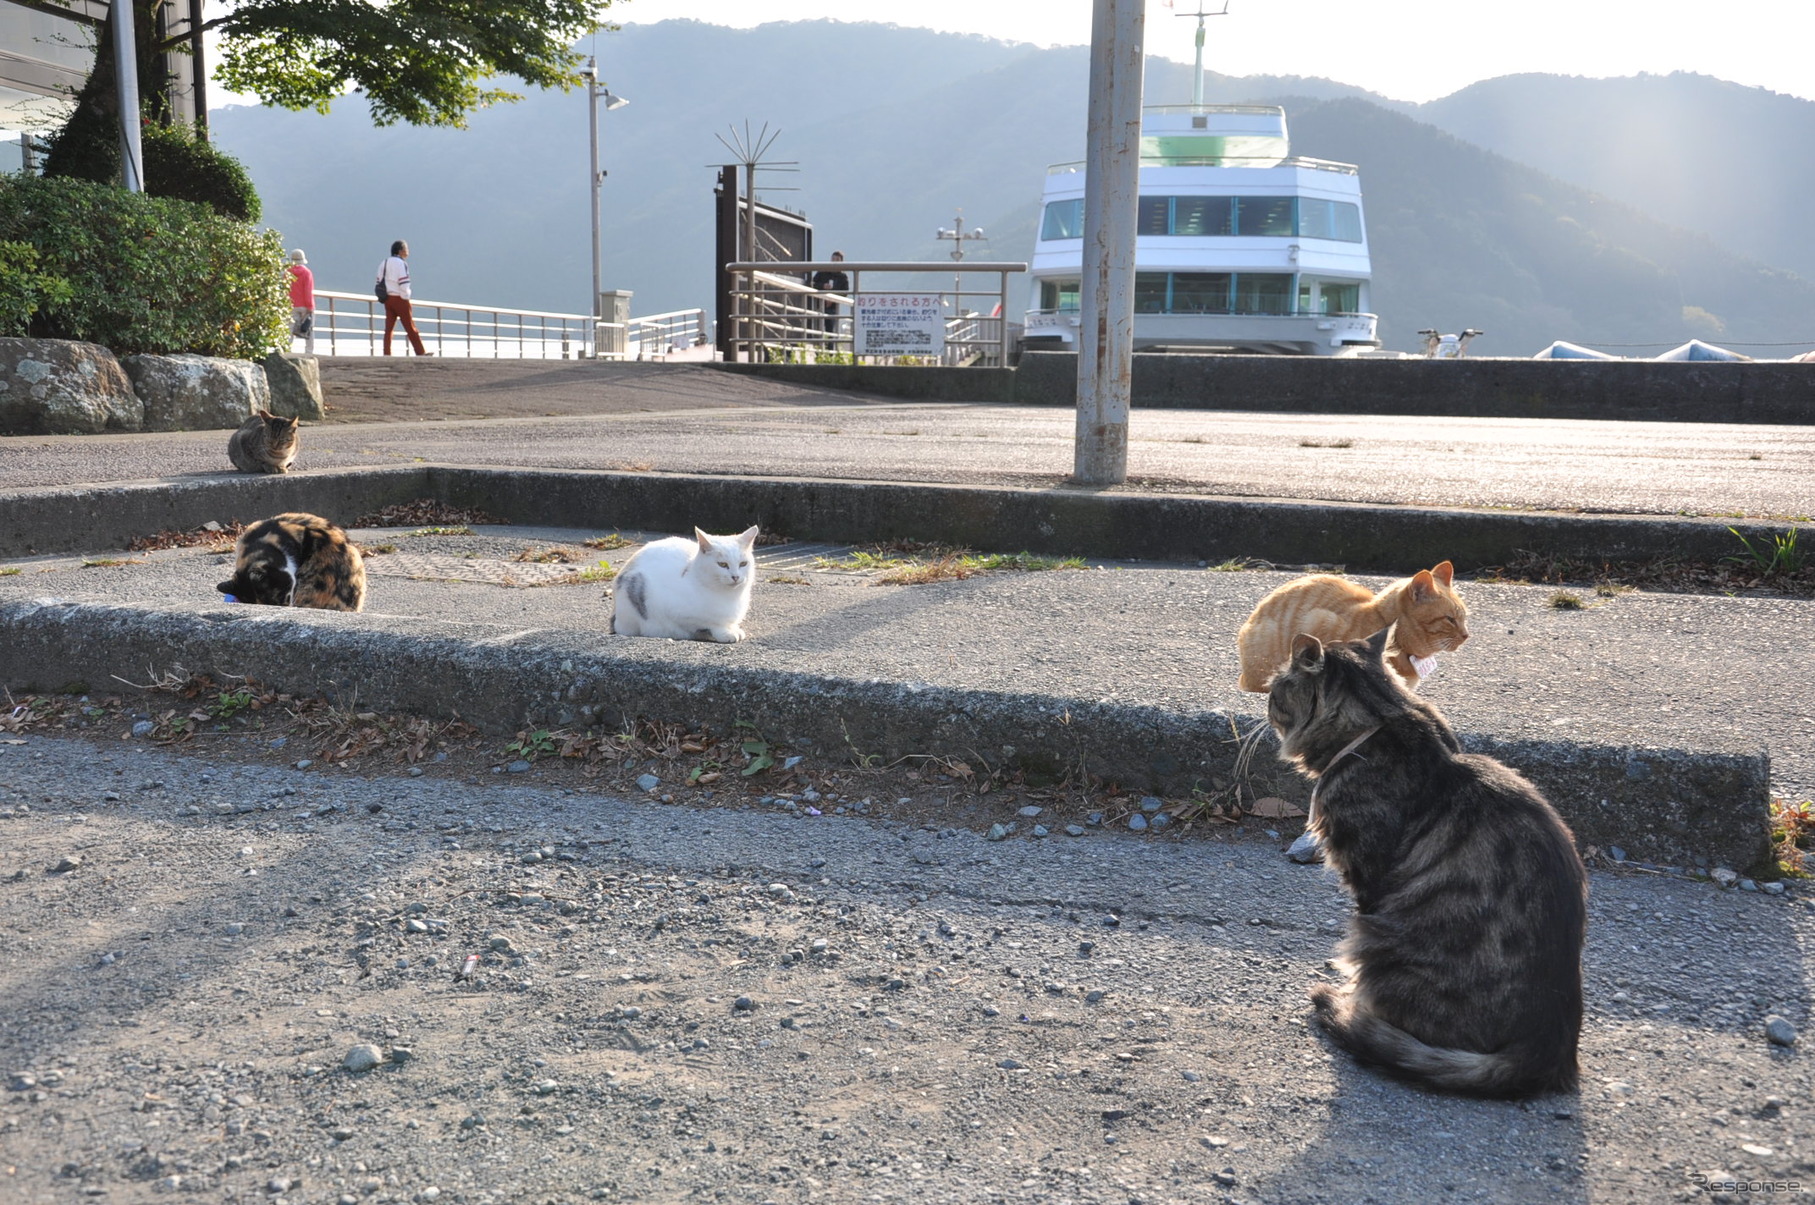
[(1197, 76)]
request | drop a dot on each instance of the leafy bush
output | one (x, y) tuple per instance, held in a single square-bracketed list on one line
[(177, 164), (148, 274), (24, 290)]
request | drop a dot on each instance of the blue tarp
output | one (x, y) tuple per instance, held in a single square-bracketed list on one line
[(1571, 351), (1695, 349)]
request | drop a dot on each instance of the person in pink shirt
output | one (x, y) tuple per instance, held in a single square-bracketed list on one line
[(394, 281), (302, 300)]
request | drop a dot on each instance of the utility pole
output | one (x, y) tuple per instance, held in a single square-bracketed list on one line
[(126, 81), (1111, 188)]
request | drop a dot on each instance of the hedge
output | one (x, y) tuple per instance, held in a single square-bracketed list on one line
[(177, 164), (147, 274)]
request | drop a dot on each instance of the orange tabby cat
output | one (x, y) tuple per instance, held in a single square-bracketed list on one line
[(1427, 616)]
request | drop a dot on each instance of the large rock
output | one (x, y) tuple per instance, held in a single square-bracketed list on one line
[(295, 385), (195, 393), (56, 387)]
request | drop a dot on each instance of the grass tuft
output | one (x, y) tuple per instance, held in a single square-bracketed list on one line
[(911, 563), (1563, 600)]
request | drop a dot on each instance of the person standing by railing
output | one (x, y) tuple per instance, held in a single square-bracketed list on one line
[(830, 280), (302, 300), (393, 287)]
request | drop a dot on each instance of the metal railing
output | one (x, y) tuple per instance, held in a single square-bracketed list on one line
[(1249, 161), (352, 324), (776, 316)]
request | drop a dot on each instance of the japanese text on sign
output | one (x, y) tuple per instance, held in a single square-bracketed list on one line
[(894, 324)]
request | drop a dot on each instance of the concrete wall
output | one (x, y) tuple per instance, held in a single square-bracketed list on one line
[(1586, 389), (1646, 390)]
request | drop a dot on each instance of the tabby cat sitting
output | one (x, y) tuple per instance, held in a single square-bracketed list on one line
[(297, 560), (264, 443), (1425, 612), (1463, 961)]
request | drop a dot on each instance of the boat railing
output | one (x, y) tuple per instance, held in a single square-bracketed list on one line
[(1197, 109), (1226, 313), (352, 324), (1256, 161), (775, 315)]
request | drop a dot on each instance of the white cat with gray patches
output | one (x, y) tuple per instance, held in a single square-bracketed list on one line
[(683, 589)]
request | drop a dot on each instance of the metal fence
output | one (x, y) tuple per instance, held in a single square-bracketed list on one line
[(352, 324), (776, 316)]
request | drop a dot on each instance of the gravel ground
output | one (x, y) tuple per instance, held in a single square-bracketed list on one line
[(677, 1003)]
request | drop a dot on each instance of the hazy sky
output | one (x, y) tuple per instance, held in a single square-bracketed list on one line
[(1413, 50)]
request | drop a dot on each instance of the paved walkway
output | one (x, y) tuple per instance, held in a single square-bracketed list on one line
[(690, 418)]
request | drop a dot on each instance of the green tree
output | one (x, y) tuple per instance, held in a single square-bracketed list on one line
[(425, 62)]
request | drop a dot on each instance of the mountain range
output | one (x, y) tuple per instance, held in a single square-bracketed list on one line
[(1636, 212)]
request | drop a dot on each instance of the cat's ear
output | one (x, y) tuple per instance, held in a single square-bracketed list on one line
[(1444, 573), (747, 537), (1307, 653), (1424, 587), (228, 587), (704, 539), (1376, 644)]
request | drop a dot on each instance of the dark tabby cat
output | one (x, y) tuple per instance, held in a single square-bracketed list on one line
[(1463, 960), (264, 443), (297, 560)]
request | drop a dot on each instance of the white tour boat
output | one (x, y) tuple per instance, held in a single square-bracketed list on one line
[(1240, 246)]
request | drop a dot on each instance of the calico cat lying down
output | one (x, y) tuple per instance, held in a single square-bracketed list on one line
[(683, 589), (1425, 612), (1463, 961), (297, 560)]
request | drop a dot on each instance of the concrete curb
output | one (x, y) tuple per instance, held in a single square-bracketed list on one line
[(1662, 805), (1124, 526)]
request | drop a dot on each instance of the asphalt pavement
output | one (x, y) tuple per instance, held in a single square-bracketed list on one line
[(661, 418)]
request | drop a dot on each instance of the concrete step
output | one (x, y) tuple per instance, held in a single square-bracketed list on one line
[(1654, 722)]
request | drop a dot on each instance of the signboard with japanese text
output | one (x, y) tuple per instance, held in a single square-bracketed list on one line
[(899, 324)]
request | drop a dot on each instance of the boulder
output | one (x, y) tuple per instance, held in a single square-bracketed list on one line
[(56, 387), (196, 393), (295, 385)]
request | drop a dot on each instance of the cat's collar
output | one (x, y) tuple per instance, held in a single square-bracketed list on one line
[(1317, 787)]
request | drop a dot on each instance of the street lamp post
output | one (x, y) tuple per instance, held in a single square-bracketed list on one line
[(959, 236), (595, 91)]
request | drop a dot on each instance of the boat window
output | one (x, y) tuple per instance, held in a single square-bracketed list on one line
[(1152, 292), (1338, 220), (1264, 215), (1263, 293), (1155, 216), (1060, 294), (1200, 292), (1064, 219), (1203, 215), (1340, 298)]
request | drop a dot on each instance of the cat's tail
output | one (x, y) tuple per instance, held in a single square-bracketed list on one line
[(1505, 1073)]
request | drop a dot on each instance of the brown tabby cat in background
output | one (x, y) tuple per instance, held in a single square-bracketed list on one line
[(1463, 961), (297, 560), (264, 443), (1425, 612)]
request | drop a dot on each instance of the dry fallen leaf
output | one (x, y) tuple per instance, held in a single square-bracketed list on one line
[(1272, 808)]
